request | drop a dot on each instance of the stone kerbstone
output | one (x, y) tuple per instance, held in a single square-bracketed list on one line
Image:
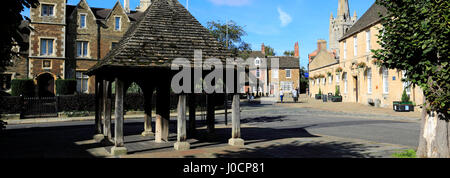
[(180, 146), (118, 151), (236, 142)]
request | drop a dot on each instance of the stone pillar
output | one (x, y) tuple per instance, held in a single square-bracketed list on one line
[(210, 115), (181, 143), (162, 114), (236, 123), (192, 109), (107, 110), (148, 131), (119, 148), (98, 137)]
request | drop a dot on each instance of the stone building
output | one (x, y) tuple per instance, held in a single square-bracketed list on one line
[(322, 62), (370, 84), (355, 73), (67, 40), (286, 77)]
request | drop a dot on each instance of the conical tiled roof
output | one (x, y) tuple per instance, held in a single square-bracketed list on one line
[(166, 31)]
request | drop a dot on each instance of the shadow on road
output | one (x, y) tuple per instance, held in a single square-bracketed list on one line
[(297, 149), (61, 142), (47, 142)]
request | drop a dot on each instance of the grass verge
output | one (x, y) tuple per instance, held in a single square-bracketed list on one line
[(405, 154)]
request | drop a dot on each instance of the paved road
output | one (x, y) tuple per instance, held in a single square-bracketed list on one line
[(271, 122), (394, 130)]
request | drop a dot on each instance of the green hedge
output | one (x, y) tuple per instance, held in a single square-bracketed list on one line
[(66, 87), (23, 87)]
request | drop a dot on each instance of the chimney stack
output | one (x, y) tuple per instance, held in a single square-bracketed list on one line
[(297, 50), (321, 44), (126, 6), (263, 49), (144, 4)]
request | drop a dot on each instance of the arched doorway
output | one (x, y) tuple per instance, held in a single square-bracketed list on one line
[(46, 85)]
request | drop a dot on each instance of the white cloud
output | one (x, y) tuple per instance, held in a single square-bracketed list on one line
[(285, 18), (231, 2)]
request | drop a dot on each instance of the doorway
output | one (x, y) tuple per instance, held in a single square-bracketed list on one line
[(46, 85)]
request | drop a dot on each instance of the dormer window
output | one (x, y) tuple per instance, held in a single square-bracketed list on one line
[(82, 20), (117, 24), (47, 10), (257, 61)]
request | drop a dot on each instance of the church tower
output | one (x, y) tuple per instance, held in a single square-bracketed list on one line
[(144, 5), (340, 25)]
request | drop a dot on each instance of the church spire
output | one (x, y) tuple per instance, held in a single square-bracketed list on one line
[(343, 10)]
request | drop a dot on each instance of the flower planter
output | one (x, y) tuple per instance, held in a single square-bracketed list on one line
[(336, 98), (403, 107), (318, 97)]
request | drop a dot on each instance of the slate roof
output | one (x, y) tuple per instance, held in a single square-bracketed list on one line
[(102, 13), (286, 62), (371, 17), (23, 36), (322, 59), (256, 54), (165, 32)]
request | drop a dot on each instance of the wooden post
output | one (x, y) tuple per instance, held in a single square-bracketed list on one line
[(107, 110), (162, 114), (148, 95), (210, 115), (226, 108), (98, 137), (119, 148), (181, 143), (236, 123), (192, 109)]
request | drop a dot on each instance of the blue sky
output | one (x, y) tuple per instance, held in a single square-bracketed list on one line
[(277, 23)]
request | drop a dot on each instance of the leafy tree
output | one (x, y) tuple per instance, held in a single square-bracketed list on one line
[(289, 53), (11, 19), (415, 38), (269, 51), (234, 42), (304, 82)]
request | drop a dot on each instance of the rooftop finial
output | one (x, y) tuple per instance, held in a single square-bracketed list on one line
[(343, 9)]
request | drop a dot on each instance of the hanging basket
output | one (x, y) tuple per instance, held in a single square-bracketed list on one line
[(361, 65)]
